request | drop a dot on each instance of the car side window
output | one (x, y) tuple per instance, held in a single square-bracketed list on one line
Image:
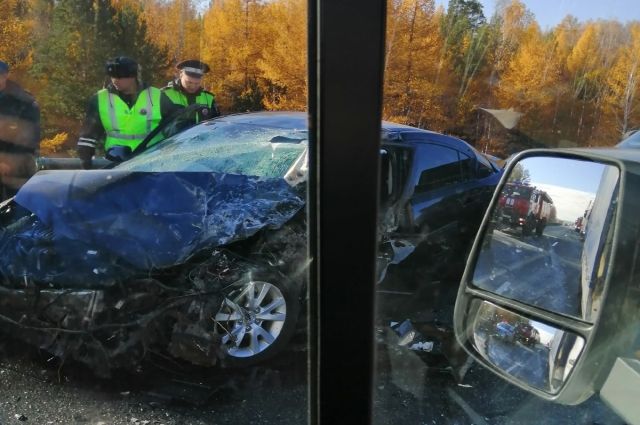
[(439, 167), (484, 168), (466, 166)]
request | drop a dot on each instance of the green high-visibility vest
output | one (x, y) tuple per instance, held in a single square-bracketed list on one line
[(126, 126), (179, 98)]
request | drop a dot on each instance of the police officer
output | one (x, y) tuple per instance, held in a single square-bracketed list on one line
[(187, 89), (19, 134), (123, 113)]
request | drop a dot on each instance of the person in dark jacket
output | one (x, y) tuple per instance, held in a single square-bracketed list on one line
[(187, 89), (122, 114), (19, 134)]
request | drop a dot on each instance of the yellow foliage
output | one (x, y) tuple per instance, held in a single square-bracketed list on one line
[(257, 50), (127, 4), (515, 21), (53, 144), (566, 35), (17, 30), (623, 84), (584, 56), (173, 25), (236, 34), (416, 73), (531, 79), (284, 58)]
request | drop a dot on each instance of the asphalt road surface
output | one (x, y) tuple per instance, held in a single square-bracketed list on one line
[(530, 364), (411, 388), (543, 271)]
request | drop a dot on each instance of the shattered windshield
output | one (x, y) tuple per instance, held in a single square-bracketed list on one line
[(223, 147)]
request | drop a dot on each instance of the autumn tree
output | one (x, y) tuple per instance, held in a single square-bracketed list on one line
[(623, 85), (509, 23), (520, 174), (564, 36), (466, 39), (414, 78), (530, 81), (584, 64), (69, 58), (15, 30), (175, 26), (123, 31), (444, 66), (66, 50), (283, 64), (589, 64), (504, 33), (236, 34)]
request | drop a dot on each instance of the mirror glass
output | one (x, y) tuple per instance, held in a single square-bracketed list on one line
[(549, 237), (535, 353)]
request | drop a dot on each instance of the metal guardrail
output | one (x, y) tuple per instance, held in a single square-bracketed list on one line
[(47, 163)]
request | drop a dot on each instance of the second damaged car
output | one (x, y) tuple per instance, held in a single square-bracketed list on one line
[(197, 246)]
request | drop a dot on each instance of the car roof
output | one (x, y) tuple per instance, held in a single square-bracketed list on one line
[(630, 140), (299, 121), (296, 120), (284, 120)]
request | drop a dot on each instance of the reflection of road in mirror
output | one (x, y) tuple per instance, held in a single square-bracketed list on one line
[(542, 271), (528, 364), (535, 250), (535, 353)]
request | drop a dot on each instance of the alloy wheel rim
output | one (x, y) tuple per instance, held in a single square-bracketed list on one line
[(252, 317)]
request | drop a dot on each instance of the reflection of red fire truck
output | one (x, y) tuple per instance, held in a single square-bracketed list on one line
[(527, 207)]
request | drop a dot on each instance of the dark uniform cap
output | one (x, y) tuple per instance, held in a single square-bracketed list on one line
[(193, 68), (121, 67), (4, 67)]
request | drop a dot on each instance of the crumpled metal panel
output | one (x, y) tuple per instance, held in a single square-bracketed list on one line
[(154, 220)]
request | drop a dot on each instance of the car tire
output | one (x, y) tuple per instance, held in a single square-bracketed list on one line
[(257, 318), (540, 227), (528, 226)]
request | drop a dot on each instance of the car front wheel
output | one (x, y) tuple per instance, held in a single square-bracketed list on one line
[(257, 318)]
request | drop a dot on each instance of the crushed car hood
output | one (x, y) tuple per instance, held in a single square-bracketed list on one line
[(155, 220)]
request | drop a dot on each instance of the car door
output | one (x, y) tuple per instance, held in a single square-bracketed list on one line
[(438, 192), (430, 212)]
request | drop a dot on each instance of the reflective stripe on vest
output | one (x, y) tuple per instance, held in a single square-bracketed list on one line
[(126, 126)]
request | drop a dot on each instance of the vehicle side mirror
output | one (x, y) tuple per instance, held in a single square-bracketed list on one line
[(550, 294)]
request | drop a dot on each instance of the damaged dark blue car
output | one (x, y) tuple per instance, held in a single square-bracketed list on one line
[(197, 247)]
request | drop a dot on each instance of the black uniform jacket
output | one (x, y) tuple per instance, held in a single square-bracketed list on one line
[(19, 120), (191, 99), (19, 138)]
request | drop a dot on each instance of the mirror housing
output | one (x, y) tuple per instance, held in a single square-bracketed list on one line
[(610, 334)]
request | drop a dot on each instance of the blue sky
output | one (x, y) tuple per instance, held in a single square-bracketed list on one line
[(577, 175), (549, 13)]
